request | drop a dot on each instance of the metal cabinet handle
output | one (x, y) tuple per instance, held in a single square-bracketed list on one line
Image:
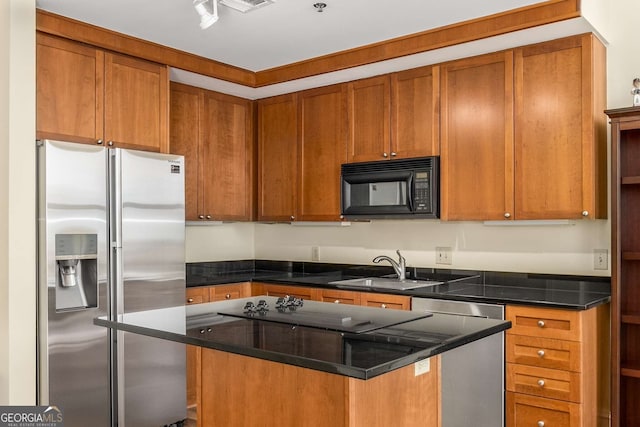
[(201, 216), (385, 155), (541, 323), (507, 215), (383, 305), (541, 353), (190, 300), (99, 142), (293, 217), (337, 301), (110, 143), (393, 154), (585, 213), (227, 296), (208, 216), (540, 423), (541, 383)]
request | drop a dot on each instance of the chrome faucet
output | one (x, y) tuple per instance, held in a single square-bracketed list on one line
[(399, 266)]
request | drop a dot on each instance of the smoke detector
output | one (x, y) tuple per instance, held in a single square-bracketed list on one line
[(245, 5)]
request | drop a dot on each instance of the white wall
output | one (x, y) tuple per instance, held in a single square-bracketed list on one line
[(17, 203)]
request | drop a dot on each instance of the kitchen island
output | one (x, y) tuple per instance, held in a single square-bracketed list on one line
[(285, 372)]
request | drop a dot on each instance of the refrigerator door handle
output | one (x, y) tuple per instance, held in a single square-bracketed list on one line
[(115, 196)]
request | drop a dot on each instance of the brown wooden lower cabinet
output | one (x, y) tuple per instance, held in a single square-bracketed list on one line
[(199, 295), (370, 299), (244, 391), (557, 371)]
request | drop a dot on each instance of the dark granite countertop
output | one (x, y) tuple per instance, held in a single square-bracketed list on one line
[(558, 291), (358, 355)]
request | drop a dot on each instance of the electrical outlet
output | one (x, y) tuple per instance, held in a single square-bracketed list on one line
[(421, 367), (443, 255), (315, 253), (600, 259)]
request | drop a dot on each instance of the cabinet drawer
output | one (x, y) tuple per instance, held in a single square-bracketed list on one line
[(531, 411), (340, 297), (308, 294), (197, 295), (225, 292), (543, 382), (397, 302), (545, 322), (544, 352)]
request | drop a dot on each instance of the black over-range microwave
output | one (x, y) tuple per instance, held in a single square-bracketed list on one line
[(408, 188)]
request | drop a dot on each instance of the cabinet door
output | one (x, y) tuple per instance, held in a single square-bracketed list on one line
[(69, 90), (185, 139), (277, 158), (225, 168), (136, 103), (322, 149), (477, 138), (369, 115), (560, 146), (415, 112)]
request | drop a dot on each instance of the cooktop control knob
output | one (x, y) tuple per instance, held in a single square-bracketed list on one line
[(250, 308), (262, 306)]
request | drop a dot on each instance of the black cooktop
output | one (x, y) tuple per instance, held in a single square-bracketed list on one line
[(337, 317)]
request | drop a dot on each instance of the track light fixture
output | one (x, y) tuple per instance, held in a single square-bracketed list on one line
[(207, 18)]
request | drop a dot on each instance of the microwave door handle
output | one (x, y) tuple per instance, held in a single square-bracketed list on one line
[(411, 192)]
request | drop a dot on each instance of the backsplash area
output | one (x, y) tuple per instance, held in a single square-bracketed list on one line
[(565, 248)]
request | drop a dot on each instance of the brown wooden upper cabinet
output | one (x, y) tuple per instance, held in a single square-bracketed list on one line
[(524, 133), (476, 174), (301, 146), (394, 116), (214, 132), (89, 96), (322, 136), (277, 158), (560, 129)]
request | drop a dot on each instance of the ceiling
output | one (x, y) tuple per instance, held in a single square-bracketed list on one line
[(281, 33)]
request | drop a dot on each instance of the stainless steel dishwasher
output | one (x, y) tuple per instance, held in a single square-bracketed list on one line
[(472, 375)]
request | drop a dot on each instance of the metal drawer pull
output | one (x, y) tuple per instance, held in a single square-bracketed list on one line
[(540, 423), (541, 353), (337, 301), (541, 323), (541, 383), (227, 296), (383, 306), (190, 300)]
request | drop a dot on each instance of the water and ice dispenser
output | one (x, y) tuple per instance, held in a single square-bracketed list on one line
[(77, 271)]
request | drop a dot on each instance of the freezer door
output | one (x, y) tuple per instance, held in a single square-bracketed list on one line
[(73, 353), (148, 239)]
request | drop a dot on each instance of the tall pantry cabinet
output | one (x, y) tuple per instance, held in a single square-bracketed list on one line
[(625, 266)]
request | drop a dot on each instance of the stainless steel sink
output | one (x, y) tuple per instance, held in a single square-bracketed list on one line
[(386, 283)]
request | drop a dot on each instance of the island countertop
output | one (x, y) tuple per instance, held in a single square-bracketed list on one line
[(361, 355)]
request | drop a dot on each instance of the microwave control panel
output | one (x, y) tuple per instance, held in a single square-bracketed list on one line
[(422, 191)]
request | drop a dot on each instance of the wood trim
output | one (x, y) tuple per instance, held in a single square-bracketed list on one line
[(50, 23), (542, 13), (518, 19)]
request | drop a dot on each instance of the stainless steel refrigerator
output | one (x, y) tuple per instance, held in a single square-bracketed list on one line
[(110, 241)]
